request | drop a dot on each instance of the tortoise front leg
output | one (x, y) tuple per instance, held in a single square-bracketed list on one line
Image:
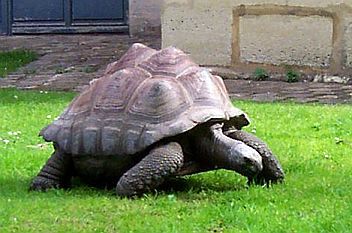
[(272, 170), (56, 173), (151, 171)]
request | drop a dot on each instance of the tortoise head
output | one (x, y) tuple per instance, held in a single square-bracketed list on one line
[(215, 148)]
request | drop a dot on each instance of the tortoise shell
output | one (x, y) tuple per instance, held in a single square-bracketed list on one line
[(146, 96)]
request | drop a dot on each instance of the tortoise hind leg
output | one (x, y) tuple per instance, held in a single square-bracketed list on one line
[(56, 173), (151, 171), (272, 171)]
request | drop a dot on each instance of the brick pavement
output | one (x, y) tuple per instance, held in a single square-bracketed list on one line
[(329, 93), (69, 62)]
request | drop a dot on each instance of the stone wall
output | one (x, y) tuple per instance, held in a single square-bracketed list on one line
[(307, 33), (144, 16), (347, 40)]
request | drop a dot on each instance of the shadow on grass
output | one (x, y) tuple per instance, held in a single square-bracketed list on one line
[(18, 188), (195, 185)]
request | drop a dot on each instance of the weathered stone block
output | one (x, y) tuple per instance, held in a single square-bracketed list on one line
[(202, 27), (202, 32), (144, 16), (348, 42), (286, 39)]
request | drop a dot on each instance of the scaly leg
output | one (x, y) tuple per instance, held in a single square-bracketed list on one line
[(56, 173), (151, 171), (272, 170)]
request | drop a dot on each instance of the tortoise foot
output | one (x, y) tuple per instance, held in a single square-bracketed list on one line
[(265, 180), (272, 171), (44, 184), (55, 173)]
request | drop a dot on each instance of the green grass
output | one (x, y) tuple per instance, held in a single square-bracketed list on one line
[(12, 60), (313, 143)]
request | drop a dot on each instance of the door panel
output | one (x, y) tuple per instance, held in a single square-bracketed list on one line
[(0, 13), (67, 16), (98, 10), (38, 10)]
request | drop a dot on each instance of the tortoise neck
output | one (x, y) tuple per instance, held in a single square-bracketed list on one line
[(220, 151)]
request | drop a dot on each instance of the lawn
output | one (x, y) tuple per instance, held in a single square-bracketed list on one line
[(313, 143), (10, 61)]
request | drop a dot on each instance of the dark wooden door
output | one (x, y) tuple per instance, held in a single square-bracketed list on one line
[(60, 16), (38, 11), (97, 11)]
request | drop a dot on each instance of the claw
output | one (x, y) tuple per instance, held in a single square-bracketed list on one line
[(43, 184)]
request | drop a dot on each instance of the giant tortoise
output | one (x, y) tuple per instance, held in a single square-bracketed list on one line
[(152, 115)]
